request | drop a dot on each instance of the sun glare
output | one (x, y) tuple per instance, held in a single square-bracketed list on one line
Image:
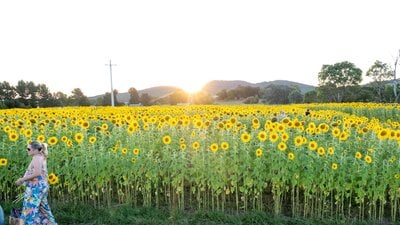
[(191, 86)]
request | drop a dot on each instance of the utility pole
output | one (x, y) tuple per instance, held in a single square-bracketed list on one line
[(111, 81)]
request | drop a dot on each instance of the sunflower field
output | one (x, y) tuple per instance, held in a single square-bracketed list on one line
[(340, 161)]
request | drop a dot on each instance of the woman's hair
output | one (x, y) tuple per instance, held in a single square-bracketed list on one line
[(42, 147)]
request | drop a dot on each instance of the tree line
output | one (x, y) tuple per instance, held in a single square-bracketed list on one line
[(339, 82), (27, 94)]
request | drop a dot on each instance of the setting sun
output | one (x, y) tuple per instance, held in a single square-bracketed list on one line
[(191, 86)]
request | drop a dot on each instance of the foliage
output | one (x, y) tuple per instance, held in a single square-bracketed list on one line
[(133, 96), (128, 215), (334, 80), (379, 72), (281, 94), (240, 92), (339, 161)]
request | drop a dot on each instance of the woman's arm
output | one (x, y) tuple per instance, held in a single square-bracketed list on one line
[(37, 166)]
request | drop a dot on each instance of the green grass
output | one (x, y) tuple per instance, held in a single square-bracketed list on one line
[(124, 214)]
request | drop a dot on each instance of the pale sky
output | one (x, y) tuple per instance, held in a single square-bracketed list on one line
[(66, 44)]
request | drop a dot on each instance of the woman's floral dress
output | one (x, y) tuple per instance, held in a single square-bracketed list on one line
[(36, 209)]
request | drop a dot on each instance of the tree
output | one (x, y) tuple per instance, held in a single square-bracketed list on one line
[(7, 95), (145, 99), (379, 72), (60, 99), (44, 96), (295, 96), (78, 98), (365, 94), (311, 97), (222, 95), (179, 96), (339, 77), (133, 96), (106, 100), (276, 94)]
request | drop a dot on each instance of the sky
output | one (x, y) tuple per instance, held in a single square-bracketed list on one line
[(187, 43)]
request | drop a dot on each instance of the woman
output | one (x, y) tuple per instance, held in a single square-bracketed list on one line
[(1, 216), (36, 209)]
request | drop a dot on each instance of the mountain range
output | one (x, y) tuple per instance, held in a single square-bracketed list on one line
[(212, 87)]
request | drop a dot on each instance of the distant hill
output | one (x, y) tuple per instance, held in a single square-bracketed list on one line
[(216, 86), (157, 92), (212, 87)]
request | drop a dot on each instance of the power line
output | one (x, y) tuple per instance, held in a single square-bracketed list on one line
[(111, 81)]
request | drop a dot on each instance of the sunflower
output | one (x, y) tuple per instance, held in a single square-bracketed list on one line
[(166, 140), (358, 155), (280, 128), (64, 139), (323, 127), (397, 176), (85, 125), (133, 160), (282, 146), (255, 124), (364, 130), (343, 136), (383, 134), (104, 127), (7, 129), (51, 176), (28, 133), (69, 143), (3, 162), (214, 147), (368, 159), (336, 132), (273, 136), (52, 179), (245, 137), (331, 151), (52, 140), (41, 138), (130, 129), (79, 137), (224, 146), (182, 140), (259, 152), (334, 166), (312, 145), (12, 136), (92, 139), (298, 141), (285, 136), (321, 151), (296, 124), (124, 151), (262, 136), (183, 146), (198, 124), (195, 145), (291, 156), (136, 151)]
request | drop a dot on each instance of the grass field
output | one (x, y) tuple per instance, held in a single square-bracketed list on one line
[(125, 214)]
